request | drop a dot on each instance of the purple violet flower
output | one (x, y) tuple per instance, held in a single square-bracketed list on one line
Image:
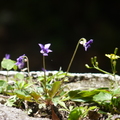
[(87, 44), (7, 56), (45, 49), (44, 70), (20, 61)]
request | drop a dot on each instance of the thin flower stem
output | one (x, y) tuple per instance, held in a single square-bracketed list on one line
[(71, 60), (113, 66), (72, 57), (103, 71), (28, 68), (44, 74), (7, 75)]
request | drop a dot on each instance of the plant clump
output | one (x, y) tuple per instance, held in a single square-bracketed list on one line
[(45, 97)]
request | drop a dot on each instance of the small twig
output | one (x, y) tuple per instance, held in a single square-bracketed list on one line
[(5, 97)]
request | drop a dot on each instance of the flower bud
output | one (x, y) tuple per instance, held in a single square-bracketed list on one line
[(96, 64), (87, 66), (82, 41), (115, 51), (95, 58), (92, 60)]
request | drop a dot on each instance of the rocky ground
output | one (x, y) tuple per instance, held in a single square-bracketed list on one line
[(10, 113), (76, 81)]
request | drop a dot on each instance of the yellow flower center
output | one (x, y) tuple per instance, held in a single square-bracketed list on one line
[(112, 56)]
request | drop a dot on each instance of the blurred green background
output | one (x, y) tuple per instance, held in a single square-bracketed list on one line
[(25, 23)]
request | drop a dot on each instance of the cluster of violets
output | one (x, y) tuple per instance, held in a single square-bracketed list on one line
[(45, 50)]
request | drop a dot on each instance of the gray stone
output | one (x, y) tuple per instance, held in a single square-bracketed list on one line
[(10, 113)]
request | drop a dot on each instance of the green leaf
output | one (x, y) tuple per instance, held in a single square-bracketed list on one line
[(19, 76), (74, 94), (116, 92), (27, 85), (40, 78), (102, 96), (40, 89), (55, 88), (21, 94), (75, 114), (62, 104), (85, 95), (82, 96), (80, 112), (15, 67), (92, 108), (55, 100), (60, 74), (35, 95), (70, 108), (1, 90), (7, 64), (10, 102), (57, 76), (10, 87), (22, 85), (3, 85)]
